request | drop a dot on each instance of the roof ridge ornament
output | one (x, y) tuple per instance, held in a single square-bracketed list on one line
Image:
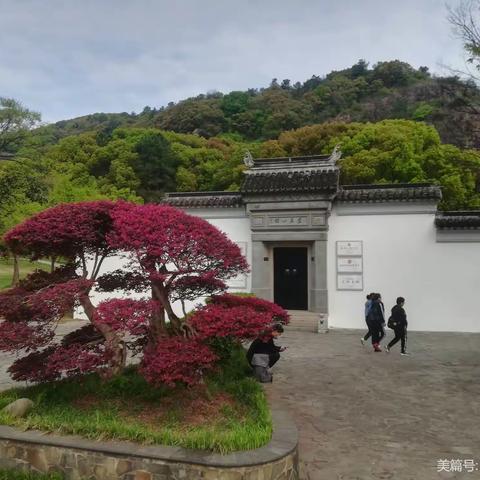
[(248, 159), (336, 154)]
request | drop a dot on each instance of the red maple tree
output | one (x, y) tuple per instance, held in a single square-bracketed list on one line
[(169, 257)]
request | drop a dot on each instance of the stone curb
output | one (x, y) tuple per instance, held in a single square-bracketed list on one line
[(284, 441)]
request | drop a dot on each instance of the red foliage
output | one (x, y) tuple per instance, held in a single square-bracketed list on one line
[(66, 230), (126, 315), (239, 317), (276, 313), (41, 278), (76, 359), (56, 361), (122, 280), (170, 244), (21, 335), (33, 367), (31, 311), (50, 304), (177, 359), (83, 335), (30, 318), (13, 307), (193, 287)]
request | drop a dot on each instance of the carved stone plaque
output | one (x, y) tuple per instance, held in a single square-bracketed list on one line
[(318, 220), (257, 221), (281, 221)]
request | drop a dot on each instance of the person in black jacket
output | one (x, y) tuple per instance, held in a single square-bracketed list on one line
[(368, 305), (399, 323), (376, 319), (266, 345)]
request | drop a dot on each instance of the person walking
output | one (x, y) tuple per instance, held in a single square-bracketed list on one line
[(398, 322), (376, 319), (368, 306), (383, 324)]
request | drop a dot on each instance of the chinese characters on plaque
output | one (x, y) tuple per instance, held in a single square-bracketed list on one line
[(350, 265)]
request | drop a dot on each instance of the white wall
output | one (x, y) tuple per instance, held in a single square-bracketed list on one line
[(440, 281)]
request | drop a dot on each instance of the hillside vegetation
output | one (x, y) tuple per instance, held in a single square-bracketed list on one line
[(395, 124), (388, 90)]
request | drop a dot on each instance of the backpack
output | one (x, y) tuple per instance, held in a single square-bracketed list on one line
[(391, 323), (260, 368)]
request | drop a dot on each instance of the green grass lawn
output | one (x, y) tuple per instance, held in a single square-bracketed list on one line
[(26, 267), (228, 412)]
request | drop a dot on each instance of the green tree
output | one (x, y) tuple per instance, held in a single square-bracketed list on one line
[(393, 151), (202, 116), (155, 166), (15, 122), (394, 73)]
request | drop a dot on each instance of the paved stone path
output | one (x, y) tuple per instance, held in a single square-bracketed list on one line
[(367, 416)]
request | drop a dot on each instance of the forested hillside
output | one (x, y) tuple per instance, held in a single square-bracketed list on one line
[(394, 123), (388, 90)]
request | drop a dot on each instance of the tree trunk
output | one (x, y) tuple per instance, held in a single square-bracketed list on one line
[(162, 296), (16, 271), (158, 326), (113, 343)]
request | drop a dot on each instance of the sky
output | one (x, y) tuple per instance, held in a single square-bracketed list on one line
[(68, 58)]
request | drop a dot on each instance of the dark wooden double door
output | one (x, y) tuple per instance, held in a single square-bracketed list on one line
[(291, 277)]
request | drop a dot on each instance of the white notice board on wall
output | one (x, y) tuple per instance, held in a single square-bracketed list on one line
[(349, 261), (350, 248), (349, 264)]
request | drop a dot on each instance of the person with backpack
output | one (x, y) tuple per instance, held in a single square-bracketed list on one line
[(398, 323), (368, 306), (263, 353), (376, 320)]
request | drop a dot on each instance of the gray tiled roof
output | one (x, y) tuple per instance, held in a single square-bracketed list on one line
[(312, 173), (203, 199), (400, 192), (304, 180), (458, 220), (306, 161)]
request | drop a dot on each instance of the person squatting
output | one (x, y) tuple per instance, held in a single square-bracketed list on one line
[(375, 320), (264, 354)]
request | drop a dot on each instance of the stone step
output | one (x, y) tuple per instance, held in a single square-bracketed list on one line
[(302, 320), (302, 313)]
